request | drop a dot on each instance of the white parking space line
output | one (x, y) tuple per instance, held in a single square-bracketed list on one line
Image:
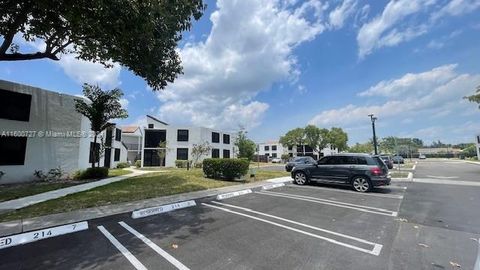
[(392, 196), (154, 246), (357, 207), (374, 251), (132, 259), (446, 182)]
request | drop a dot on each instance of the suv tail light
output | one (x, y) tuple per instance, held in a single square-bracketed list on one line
[(376, 171)]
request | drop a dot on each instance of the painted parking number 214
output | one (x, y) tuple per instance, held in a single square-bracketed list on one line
[(42, 234)]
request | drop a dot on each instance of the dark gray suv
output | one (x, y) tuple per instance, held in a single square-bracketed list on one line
[(360, 171)]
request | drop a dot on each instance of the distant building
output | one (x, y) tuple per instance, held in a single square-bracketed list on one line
[(439, 150), (143, 143), (274, 149)]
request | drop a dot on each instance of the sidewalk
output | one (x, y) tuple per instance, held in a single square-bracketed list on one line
[(18, 226), (54, 194)]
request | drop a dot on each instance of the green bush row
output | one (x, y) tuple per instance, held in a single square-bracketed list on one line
[(181, 163), (91, 173), (227, 168), (122, 165)]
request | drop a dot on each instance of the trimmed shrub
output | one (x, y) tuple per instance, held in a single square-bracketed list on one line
[(198, 165), (181, 163), (91, 173), (226, 168), (122, 165), (138, 163)]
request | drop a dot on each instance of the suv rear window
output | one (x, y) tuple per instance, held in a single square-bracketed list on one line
[(379, 162)]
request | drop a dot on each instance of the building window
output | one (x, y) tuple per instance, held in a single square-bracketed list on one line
[(226, 139), (215, 153), (12, 150), (108, 137), (274, 155), (267, 148), (116, 156), (150, 125), (151, 158), (182, 153), (274, 148), (226, 153), (154, 137), (15, 106), (290, 148), (478, 139), (182, 135), (118, 135), (215, 137), (97, 152)]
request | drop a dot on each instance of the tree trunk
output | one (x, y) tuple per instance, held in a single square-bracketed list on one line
[(94, 150)]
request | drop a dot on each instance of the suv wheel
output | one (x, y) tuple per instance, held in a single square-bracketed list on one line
[(361, 184), (300, 178)]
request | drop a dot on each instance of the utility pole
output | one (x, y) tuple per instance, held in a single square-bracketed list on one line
[(373, 119)]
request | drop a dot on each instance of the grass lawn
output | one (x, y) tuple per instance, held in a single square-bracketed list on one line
[(11, 192), (136, 188), (117, 172)]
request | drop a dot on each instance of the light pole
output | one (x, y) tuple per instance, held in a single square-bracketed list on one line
[(373, 119)]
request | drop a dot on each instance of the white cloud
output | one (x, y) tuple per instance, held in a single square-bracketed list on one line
[(338, 16), (426, 94), (414, 83), (250, 47), (375, 34), (124, 102), (435, 44), (456, 8), (88, 72)]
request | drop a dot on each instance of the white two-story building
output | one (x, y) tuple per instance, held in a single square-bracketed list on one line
[(176, 143), (41, 130), (274, 149)]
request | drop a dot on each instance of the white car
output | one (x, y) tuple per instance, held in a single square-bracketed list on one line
[(422, 157), (276, 160)]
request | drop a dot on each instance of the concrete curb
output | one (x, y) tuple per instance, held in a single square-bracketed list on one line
[(19, 226)]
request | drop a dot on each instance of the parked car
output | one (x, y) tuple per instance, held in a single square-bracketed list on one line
[(299, 161), (398, 159), (360, 171), (388, 161), (422, 157), (276, 160)]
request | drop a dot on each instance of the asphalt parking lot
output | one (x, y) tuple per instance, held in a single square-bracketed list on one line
[(290, 227)]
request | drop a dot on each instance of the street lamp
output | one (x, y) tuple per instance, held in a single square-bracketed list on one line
[(373, 119)]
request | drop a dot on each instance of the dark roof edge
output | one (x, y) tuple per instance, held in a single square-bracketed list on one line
[(157, 120)]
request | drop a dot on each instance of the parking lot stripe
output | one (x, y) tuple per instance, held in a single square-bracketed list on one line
[(392, 196), (132, 259), (357, 207), (154, 246), (297, 223), (375, 251)]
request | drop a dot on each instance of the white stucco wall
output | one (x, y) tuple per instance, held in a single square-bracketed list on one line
[(196, 135), (49, 111)]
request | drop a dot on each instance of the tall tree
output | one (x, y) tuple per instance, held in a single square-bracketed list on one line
[(338, 138), (475, 97), (316, 138), (101, 107), (293, 138), (140, 35), (246, 147), (362, 148)]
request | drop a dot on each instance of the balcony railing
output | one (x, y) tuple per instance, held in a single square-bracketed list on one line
[(133, 146)]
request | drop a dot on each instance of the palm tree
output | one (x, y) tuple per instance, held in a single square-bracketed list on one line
[(100, 108)]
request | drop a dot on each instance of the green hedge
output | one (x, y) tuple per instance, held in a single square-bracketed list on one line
[(91, 173), (138, 163), (122, 165), (225, 168), (181, 163)]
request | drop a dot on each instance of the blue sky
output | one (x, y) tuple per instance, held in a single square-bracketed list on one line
[(270, 66)]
